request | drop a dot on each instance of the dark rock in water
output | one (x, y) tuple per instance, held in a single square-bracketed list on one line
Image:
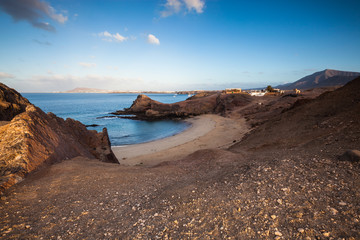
[(146, 108), (11, 103), (120, 114), (106, 117), (351, 156), (33, 138), (92, 125)]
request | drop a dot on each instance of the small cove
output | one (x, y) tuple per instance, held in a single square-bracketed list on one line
[(95, 108)]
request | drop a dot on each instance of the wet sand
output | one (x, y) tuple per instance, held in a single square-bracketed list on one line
[(206, 131)]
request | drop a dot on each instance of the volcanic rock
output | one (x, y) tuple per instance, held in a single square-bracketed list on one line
[(11, 103), (32, 138), (146, 108)]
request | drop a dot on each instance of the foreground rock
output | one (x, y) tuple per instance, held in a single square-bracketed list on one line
[(32, 138), (146, 108)]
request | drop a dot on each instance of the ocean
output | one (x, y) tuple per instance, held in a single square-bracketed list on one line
[(90, 108)]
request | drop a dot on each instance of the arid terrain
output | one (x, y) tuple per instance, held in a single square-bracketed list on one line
[(285, 177)]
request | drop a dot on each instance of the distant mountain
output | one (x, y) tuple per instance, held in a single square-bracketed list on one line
[(326, 78), (87, 90)]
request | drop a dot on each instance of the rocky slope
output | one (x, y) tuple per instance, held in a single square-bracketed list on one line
[(325, 78), (146, 108), (318, 124), (11, 103), (32, 138)]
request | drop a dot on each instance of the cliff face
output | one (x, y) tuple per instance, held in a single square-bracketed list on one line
[(32, 138), (146, 108)]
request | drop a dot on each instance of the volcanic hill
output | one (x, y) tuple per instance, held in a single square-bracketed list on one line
[(325, 78)]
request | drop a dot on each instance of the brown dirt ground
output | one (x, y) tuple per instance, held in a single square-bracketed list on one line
[(295, 188)]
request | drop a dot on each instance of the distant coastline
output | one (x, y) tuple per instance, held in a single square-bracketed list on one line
[(95, 90)]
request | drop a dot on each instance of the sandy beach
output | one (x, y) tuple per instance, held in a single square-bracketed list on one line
[(206, 131)]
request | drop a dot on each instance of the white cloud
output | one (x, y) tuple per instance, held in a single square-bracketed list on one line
[(106, 34), (112, 37), (171, 7), (119, 38), (6, 75), (87, 65), (197, 5), (153, 40), (57, 17), (175, 6)]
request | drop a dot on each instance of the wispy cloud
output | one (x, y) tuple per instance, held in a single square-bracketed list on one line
[(106, 36), (87, 65), (33, 11), (112, 68), (6, 75), (153, 40), (171, 7), (46, 43), (176, 6), (59, 82)]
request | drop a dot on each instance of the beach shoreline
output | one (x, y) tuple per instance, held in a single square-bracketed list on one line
[(206, 131)]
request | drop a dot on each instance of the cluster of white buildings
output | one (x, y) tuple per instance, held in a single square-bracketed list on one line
[(258, 93)]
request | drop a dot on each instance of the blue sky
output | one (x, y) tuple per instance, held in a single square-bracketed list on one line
[(173, 44)]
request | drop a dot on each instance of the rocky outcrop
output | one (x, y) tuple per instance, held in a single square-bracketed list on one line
[(146, 108), (33, 138), (11, 103)]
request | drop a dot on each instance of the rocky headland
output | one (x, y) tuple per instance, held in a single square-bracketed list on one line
[(30, 138), (217, 103)]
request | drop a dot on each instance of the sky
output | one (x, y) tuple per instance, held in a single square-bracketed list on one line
[(143, 45)]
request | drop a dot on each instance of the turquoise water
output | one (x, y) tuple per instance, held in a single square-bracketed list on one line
[(88, 107)]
